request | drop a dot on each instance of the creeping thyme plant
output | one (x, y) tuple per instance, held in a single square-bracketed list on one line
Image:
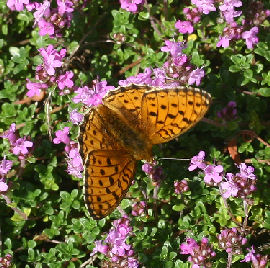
[(204, 201)]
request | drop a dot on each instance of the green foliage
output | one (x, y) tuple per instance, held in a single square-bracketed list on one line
[(107, 42)]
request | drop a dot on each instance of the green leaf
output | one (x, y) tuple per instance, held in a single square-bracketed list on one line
[(4, 29), (263, 50), (31, 243), (197, 59), (178, 207), (266, 79), (164, 252), (144, 15), (264, 91), (125, 203)]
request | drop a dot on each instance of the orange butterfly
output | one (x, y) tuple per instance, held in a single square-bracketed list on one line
[(123, 129)]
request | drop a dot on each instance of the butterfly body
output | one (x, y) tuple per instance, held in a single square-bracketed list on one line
[(123, 129), (125, 134)]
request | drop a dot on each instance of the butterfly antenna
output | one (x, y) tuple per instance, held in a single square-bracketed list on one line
[(177, 159)]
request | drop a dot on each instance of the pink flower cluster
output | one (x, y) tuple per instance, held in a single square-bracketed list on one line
[(115, 247), (257, 260), (229, 112), (18, 146), (75, 117), (247, 31), (199, 253), (154, 171), (233, 31), (138, 208), (180, 186), (5, 166), (241, 184), (50, 21), (204, 6), (6, 261), (231, 240), (74, 160), (92, 97), (175, 72), (46, 74), (131, 5)]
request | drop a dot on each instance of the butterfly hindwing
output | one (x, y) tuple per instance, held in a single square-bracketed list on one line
[(167, 113), (108, 175)]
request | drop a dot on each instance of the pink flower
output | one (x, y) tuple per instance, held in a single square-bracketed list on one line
[(227, 8), (65, 7), (199, 253), (62, 136), (75, 117), (42, 10), (192, 14), (17, 5), (99, 248), (197, 161), (45, 27), (205, 6), (189, 246), (138, 208), (21, 146), (52, 58), (115, 247), (246, 172), (10, 134), (184, 27), (154, 171), (223, 42), (5, 166), (196, 76), (241, 184), (231, 240), (229, 112), (212, 174), (175, 48), (34, 89), (65, 80), (141, 78), (75, 163), (229, 188), (257, 260), (180, 186), (92, 97), (131, 5), (251, 37), (3, 186)]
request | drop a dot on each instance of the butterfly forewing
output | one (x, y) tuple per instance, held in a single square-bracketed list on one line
[(167, 113), (108, 177), (127, 101), (94, 135)]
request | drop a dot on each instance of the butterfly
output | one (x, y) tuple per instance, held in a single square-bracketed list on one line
[(123, 129)]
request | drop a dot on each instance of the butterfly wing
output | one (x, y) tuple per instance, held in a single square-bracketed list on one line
[(126, 102), (108, 175), (94, 135), (167, 113), (109, 169)]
